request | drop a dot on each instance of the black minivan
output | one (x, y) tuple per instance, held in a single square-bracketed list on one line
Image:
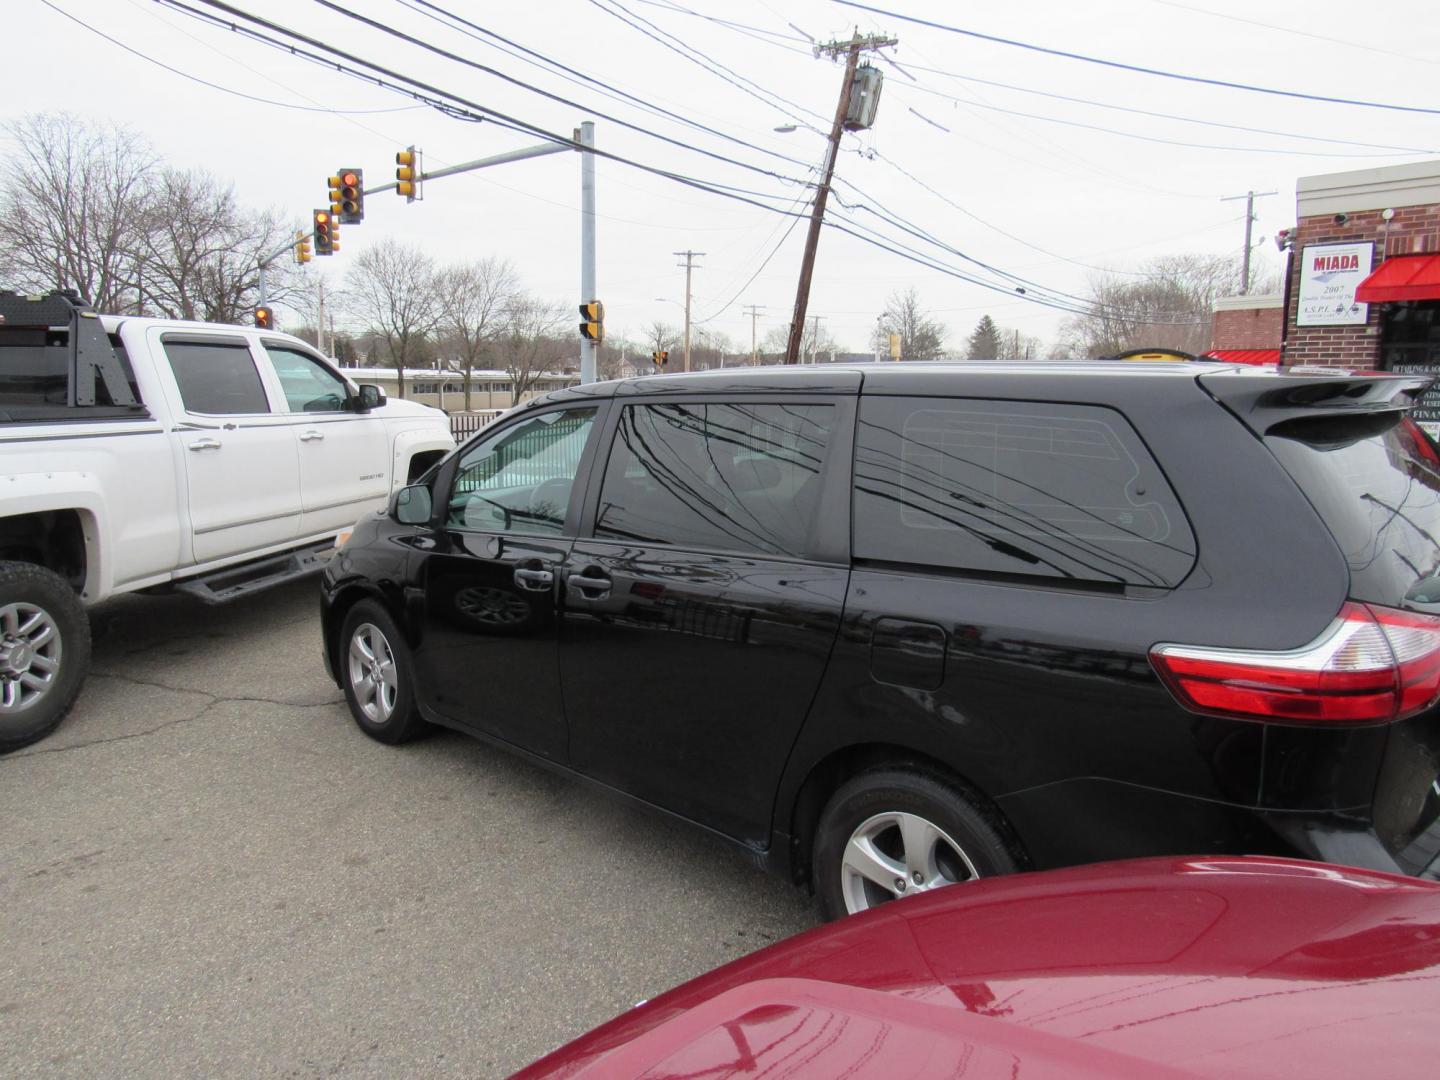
[(893, 626)]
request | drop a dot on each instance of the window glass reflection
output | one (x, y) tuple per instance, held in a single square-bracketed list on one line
[(519, 480), (734, 477)]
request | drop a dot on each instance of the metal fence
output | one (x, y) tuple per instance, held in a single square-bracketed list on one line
[(463, 425)]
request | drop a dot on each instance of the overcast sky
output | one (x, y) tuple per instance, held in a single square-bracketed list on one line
[(1026, 195)]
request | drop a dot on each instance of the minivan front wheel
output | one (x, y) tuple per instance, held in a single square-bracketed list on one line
[(892, 833), (379, 676)]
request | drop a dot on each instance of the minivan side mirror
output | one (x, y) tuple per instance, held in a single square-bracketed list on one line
[(412, 505), (369, 397)]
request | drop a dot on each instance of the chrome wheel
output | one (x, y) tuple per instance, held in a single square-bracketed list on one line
[(29, 656), (373, 677), (897, 854)]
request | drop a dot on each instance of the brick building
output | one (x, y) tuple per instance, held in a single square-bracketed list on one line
[(1248, 329), (1363, 289)]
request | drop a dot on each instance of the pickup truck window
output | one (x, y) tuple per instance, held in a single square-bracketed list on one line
[(308, 386), (217, 379)]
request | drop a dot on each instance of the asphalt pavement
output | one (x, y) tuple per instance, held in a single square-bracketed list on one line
[(208, 870)]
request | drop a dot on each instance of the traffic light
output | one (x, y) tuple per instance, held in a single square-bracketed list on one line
[(593, 328), (327, 233), (264, 318), (408, 173), (661, 358), (347, 196), (302, 248)]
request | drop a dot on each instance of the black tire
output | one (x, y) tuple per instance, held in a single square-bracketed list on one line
[(402, 721), (29, 588), (971, 841)]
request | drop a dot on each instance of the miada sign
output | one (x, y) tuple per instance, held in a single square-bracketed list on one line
[(1329, 275)]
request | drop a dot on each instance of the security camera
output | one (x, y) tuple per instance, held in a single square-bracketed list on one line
[(1341, 219)]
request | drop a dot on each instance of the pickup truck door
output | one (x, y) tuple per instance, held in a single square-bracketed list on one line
[(344, 455), (240, 457)]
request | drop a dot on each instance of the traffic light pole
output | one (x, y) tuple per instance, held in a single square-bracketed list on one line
[(485, 163), (585, 136)]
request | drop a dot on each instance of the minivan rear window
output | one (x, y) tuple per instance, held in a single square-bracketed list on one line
[(1375, 481), (1015, 488)]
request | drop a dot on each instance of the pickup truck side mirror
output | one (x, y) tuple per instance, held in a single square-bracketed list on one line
[(370, 397), (412, 505)]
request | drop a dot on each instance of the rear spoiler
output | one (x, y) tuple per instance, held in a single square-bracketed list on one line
[(1264, 399), (91, 356)]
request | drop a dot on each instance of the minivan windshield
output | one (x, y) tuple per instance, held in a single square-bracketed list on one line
[(1375, 481)]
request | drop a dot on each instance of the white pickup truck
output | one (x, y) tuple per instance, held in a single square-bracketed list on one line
[(152, 454)]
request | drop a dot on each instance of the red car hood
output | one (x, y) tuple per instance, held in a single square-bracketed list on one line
[(1162, 967)]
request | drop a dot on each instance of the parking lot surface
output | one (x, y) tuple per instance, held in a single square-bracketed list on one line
[(209, 870)]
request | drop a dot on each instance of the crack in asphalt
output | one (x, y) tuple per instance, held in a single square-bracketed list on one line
[(213, 701)]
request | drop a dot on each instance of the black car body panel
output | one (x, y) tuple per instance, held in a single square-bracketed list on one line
[(737, 688)]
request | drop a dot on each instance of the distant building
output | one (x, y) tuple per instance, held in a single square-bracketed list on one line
[(489, 389), (1248, 329)]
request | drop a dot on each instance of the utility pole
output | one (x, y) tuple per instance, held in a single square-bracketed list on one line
[(753, 310), (689, 265), (851, 50), (1249, 197), (320, 319), (814, 338)]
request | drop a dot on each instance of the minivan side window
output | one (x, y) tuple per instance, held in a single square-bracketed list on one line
[(518, 480), (217, 378), (722, 477), (1015, 488)]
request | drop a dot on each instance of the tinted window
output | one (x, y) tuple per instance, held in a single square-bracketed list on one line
[(34, 367), (308, 385), (722, 477), (519, 480), (216, 378), (1376, 484), (1060, 491)]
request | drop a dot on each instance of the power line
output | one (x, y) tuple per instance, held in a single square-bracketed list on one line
[(1148, 138), (537, 59), (700, 59), (215, 86), (438, 99), (1153, 113), (410, 39), (1138, 69)]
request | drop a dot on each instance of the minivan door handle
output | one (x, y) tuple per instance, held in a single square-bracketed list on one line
[(532, 576), (589, 583)]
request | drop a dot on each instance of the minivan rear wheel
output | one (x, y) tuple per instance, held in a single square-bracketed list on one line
[(891, 833)]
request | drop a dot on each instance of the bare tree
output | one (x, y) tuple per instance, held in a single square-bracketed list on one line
[(474, 298), (391, 290), (72, 197), (1172, 307), (921, 338), (528, 343), (200, 251), (660, 336), (816, 342)]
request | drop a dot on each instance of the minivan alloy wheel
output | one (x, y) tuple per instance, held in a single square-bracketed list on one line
[(896, 854), (372, 673)]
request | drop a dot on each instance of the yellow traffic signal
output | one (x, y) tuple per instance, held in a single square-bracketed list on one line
[(593, 328), (264, 318), (348, 195), (326, 233), (661, 357), (302, 248), (409, 173)]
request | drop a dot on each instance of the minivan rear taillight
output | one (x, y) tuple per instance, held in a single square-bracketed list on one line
[(1370, 666)]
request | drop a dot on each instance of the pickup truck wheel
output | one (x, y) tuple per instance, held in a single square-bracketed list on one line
[(379, 676), (44, 652)]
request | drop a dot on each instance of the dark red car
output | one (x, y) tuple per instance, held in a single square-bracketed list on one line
[(1228, 967)]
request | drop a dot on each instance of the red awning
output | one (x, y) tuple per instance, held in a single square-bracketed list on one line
[(1406, 277), (1244, 356)]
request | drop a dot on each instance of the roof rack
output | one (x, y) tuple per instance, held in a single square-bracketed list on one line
[(91, 356)]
